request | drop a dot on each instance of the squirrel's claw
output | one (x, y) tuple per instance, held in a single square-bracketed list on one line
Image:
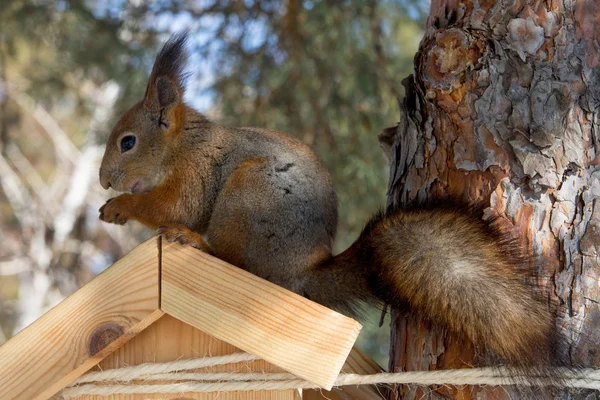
[(110, 213), (184, 236)]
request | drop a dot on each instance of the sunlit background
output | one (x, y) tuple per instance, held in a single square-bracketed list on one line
[(328, 72)]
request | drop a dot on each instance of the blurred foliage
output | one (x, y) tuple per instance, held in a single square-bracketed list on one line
[(326, 71)]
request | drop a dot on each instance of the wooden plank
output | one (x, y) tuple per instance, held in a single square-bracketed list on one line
[(170, 339), (279, 326), (357, 363), (84, 328), (360, 363)]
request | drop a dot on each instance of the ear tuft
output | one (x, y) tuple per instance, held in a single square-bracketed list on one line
[(167, 80)]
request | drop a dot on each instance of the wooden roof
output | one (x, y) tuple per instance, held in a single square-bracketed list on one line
[(155, 279)]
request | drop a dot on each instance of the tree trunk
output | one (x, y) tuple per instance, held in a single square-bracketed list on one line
[(503, 110)]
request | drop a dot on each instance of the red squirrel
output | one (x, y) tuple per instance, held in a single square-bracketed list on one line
[(264, 202)]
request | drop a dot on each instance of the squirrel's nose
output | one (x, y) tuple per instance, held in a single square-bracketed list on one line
[(104, 181)]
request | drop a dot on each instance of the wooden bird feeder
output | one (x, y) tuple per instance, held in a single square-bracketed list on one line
[(165, 302)]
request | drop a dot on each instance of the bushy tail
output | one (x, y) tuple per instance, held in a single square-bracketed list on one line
[(451, 268)]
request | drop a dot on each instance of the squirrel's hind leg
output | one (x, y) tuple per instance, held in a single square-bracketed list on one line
[(183, 235)]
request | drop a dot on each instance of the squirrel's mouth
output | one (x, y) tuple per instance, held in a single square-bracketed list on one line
[(138, 188)]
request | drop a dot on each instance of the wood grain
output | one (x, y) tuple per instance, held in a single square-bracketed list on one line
[(357, 363), (83, 329), (286, 329), (169, 339)]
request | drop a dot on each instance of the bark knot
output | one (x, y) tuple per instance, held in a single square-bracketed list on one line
[(447, 58), (524, 36)]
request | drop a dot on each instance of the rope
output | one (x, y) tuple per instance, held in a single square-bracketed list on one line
[(201, 382), (131, 373), (218, 376)]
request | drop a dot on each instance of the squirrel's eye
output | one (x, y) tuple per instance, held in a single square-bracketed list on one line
[(127, 143)]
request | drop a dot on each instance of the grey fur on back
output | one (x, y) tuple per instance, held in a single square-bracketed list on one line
[(274, 190)]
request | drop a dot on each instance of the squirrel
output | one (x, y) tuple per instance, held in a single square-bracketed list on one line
[(263, 201)]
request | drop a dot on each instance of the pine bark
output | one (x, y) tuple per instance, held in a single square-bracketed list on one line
[(503, 109)]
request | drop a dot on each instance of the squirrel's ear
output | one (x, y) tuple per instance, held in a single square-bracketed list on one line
[(167, 93), (166, 84)]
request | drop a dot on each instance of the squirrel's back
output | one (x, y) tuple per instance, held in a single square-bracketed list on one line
[(275, 213)]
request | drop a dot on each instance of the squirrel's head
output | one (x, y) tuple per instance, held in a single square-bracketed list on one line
[(134, 156)]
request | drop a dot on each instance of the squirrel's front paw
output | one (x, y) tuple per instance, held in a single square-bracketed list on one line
[(112, 212)]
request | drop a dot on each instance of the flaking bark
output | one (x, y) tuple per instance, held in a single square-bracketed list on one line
[(503, 110)]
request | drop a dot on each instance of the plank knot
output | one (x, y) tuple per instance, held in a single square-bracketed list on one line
[(104, 335)]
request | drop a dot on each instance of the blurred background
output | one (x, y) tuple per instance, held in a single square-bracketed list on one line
[(328, 72)]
